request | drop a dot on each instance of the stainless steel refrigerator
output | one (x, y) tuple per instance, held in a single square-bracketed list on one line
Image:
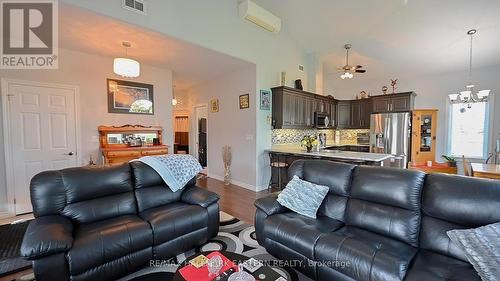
[(390, 134)]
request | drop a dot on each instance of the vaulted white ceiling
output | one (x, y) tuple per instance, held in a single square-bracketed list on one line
[(405, 36), (89, 32)]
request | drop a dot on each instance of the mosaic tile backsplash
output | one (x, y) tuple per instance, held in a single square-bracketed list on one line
[(350, 136), (292, 136)]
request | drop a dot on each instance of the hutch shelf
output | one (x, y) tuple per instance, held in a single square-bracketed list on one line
[(117, 142)]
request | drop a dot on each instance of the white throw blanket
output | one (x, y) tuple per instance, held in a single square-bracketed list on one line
[(176, 170)]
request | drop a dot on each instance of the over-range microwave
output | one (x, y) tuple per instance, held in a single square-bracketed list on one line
[(322, 120)]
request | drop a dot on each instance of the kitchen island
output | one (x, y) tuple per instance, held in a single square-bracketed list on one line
[(282, 156), (332, 154)]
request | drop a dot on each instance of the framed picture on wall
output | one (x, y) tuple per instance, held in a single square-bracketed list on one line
[(130, 97), (265, 100), (244, 101), (214, 105)]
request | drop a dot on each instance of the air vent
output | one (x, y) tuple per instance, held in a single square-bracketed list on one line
[(301, 68), (138, 6)]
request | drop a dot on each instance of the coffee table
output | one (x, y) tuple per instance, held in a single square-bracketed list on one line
[(236, 258)]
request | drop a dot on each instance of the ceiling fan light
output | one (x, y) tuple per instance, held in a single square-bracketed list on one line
[(126, 67)]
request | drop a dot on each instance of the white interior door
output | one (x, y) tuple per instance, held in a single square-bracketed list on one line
[(42, 131)]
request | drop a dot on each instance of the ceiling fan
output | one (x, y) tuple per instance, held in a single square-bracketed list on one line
[(348, 70)]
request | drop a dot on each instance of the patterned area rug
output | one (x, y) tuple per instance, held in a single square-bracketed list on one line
[(11, 237)]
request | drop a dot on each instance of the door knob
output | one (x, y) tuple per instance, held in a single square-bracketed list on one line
[(70, 153)]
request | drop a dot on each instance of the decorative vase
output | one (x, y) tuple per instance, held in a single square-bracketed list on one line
[(298, 84), (226, 159), (309, 148), (227, 175)]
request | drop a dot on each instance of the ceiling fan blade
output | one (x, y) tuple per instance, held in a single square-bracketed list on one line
[(358, 66), (360, 71)]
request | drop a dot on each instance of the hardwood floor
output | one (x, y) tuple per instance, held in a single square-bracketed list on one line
[(235, 200)]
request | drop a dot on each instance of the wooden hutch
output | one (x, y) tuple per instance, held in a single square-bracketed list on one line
[(423, 136), (117, 150)]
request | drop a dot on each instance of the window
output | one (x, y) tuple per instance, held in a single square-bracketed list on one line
[(468, 134)]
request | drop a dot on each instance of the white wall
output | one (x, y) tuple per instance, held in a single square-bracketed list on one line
[(89, 73), (217, 26), (432, 92), (230, 126), (3, 183)]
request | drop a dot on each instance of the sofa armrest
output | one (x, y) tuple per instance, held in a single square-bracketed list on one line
[(198, 196), (47, 235), (270, 205)]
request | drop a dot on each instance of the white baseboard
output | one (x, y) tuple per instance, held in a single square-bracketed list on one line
[(235, 182), (5, 215)]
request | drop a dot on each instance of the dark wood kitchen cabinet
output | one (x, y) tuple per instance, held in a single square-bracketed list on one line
[(294, 109), (360, 113), (343, 114), (394, 102)]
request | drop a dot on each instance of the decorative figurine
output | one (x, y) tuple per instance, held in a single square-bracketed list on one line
[(393, 85)]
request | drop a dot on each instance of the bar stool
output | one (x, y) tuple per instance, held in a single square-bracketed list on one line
[(277, 162)]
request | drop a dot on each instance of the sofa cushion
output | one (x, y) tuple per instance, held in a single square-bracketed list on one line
[(366, 255), (150, 189), (104, 241), (303, 197), (298, 232), (335, 175), (454, 202), (482, 248), (386, 201), (174, 220), (431, 266)]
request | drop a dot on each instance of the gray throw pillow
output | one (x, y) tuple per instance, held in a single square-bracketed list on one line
[(482, 248), (303, 197)]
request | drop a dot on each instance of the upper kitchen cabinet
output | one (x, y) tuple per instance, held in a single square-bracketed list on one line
[(394, 102), (294, 109), (360, 113), (343, 114)]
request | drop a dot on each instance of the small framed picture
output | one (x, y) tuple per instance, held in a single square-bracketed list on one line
[(130, 97), (244, 101), (214, 105), (265, 100)]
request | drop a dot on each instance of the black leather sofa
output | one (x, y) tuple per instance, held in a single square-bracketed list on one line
[(379, 224), (104, 223)]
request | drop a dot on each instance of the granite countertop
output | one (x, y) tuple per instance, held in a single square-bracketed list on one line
[(334, 154)]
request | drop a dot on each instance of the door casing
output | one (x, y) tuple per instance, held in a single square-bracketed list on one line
[(9, 172)]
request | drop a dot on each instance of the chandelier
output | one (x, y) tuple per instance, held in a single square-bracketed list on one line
[(126, 67), (469, 96)]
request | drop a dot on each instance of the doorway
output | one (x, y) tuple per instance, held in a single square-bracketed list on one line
[(201, 131), (41, 133)]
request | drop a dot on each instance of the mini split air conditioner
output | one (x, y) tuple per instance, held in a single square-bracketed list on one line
[(254, 13)]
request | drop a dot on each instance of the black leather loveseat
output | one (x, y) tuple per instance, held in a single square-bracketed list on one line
[(379, 224), (103, 223)]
